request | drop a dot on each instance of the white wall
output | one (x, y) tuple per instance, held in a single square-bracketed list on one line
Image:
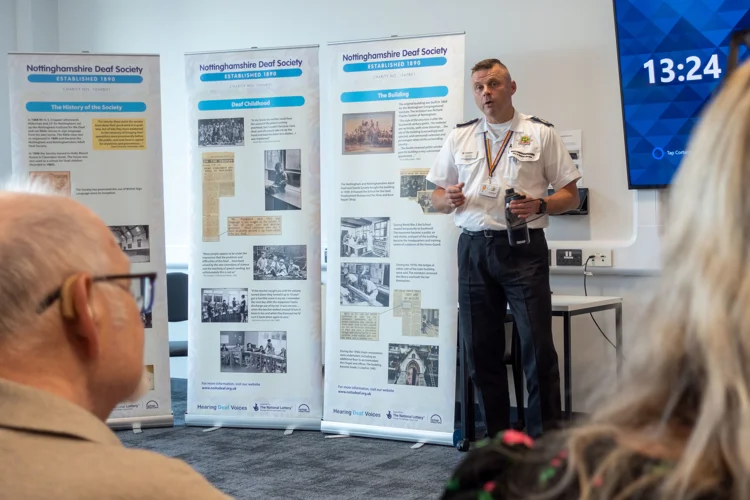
[(562, 54), (25, 26)]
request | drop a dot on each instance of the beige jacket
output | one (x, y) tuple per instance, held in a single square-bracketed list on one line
[(51, 448)]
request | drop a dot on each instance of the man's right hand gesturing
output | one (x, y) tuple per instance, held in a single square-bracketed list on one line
[(455, 195)]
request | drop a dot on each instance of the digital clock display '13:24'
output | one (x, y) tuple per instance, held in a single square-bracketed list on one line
[(692, 70)]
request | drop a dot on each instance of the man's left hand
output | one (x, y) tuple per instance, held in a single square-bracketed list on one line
[(525, 208)]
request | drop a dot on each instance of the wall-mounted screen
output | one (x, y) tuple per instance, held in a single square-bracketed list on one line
[(672, 56)]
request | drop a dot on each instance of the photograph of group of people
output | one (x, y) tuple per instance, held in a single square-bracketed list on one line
[(365, 236), (224, 305), (412, 184), (282, 179), (280, 262), (368, 133), (253, 352), (221, 132), (365, 284), (133, 240), (413, 365)]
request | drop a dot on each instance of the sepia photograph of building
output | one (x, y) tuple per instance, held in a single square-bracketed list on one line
[(365, 236), (413, 365), (253, 352), (57, 182), (365, 284)]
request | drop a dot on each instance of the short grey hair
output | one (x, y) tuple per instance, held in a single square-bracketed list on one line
[(40, 248)]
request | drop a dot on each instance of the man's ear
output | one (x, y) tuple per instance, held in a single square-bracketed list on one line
[(76, 310)]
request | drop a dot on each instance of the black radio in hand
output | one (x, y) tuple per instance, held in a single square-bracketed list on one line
[(518, 231)]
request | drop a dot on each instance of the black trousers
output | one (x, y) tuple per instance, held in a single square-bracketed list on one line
[(491, 274)]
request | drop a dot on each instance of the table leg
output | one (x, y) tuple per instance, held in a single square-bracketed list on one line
[(618, 338), (567, 367)]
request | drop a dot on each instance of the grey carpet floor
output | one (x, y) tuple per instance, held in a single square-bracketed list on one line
[(249, 463)]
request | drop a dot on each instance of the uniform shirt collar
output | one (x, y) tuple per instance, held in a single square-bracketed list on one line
[(25, 408), (515, 124)]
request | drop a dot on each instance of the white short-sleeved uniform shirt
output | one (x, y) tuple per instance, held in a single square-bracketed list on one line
[(534, 159)]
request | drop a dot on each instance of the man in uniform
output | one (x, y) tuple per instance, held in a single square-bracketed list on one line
[(478, 162)]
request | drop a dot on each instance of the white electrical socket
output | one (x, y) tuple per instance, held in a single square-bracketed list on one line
[(601, 257)]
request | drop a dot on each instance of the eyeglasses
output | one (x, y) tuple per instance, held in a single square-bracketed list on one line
[(141, 288)]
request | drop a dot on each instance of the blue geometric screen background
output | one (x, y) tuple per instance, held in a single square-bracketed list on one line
[(659, 117)]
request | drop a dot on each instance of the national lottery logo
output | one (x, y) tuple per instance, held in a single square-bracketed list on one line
[(255, 407), (400, 415)]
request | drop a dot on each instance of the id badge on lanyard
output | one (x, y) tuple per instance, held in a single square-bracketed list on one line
[(488, 189)]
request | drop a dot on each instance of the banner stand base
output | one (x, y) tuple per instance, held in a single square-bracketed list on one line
[(372, 431), (143, 422), (295, 424)]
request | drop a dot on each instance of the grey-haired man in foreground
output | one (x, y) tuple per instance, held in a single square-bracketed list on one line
[(71, 349)]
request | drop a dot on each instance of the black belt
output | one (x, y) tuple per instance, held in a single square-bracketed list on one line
[(489, 233)]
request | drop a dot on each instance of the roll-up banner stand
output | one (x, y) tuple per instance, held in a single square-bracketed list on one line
[(390, 350), (89, 125), (255, 287)]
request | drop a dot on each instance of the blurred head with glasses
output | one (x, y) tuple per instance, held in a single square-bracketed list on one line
[(70, 306)]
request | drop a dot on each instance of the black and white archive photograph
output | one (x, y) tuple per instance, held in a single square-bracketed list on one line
[(424, 198), (280, 262), (412, 183), (282, 177), (224, 305), (365, 284), (134, 241), (253, 352), (410, 364), (430, 322), (221, 132), (365, 236), (147, 321)]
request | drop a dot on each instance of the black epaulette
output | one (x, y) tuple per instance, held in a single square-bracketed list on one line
[(467, 123), (539, 120)]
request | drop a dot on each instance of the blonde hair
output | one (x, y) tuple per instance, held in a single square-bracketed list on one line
[(688, 383)]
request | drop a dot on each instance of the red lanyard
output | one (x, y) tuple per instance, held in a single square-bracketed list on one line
[(488, 148)]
